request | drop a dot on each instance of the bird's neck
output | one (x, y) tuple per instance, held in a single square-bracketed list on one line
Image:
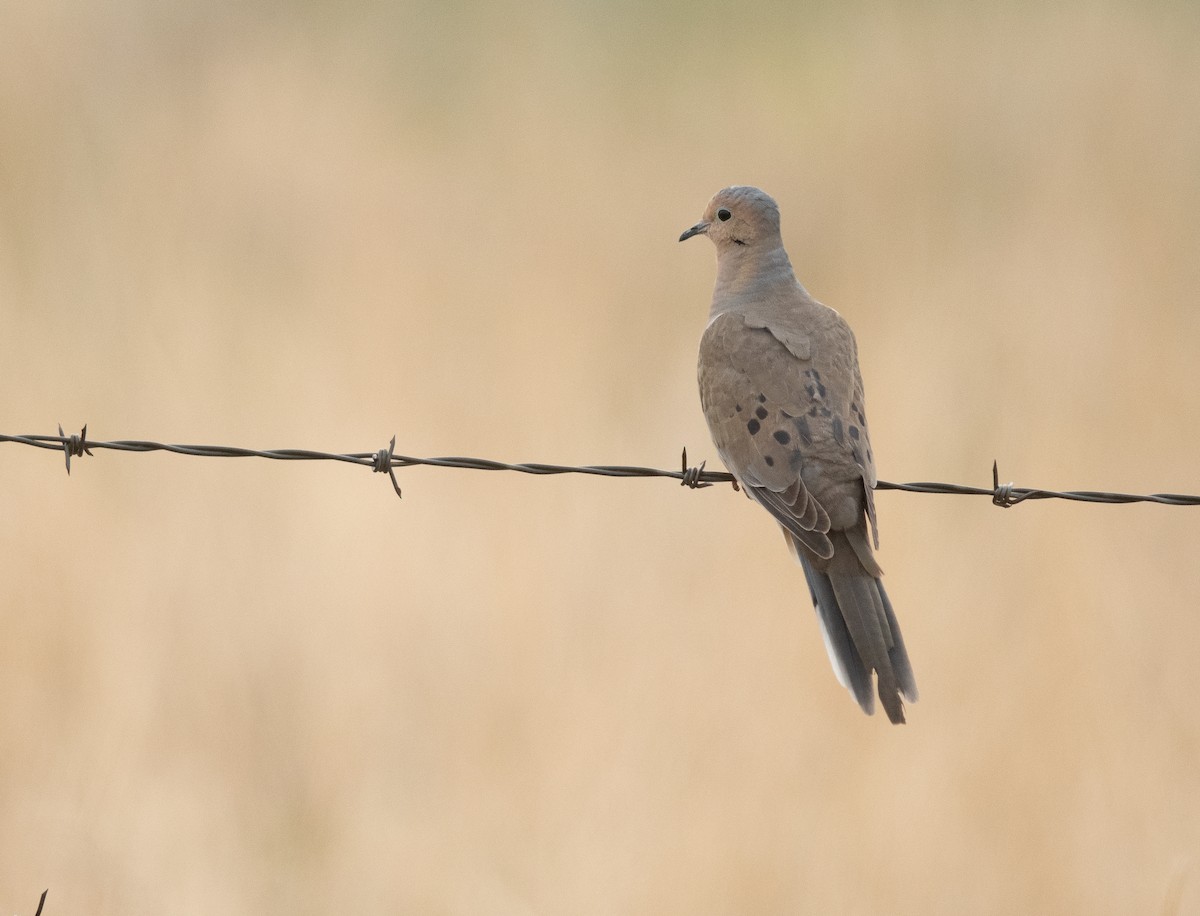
[(748, 275)]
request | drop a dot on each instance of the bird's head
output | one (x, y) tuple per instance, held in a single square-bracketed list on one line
[(739, 217)]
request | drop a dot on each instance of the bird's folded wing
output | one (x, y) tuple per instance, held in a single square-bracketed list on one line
[(771, 411)]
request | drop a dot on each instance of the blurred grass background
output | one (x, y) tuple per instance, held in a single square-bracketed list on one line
[(246, 687)]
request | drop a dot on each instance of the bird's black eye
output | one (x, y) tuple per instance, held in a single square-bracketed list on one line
[(723, 214)]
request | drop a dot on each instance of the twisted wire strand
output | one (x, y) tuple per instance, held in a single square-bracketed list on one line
[(387, 461)]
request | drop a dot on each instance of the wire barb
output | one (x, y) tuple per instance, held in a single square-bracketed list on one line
[(383, 464), (693, 477), (74, 445), (1004, 495)]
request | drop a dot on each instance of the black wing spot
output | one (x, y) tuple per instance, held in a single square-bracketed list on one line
[(769, 460), (782, 437), (753, 427), (837, 429), (761, 413), (853, 432)]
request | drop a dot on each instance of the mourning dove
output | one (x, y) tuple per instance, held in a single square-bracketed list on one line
[(783, 397)]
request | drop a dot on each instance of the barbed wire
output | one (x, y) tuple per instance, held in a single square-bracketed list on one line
[(385, 460)]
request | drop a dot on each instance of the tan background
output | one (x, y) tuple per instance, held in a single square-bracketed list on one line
[(248, 687)]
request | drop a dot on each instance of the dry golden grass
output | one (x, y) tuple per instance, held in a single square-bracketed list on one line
[(241, 687)]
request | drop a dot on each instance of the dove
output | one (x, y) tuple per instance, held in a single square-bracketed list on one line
[(783, 397)]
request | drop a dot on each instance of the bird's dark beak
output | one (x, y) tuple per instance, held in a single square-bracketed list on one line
[(698, 229)]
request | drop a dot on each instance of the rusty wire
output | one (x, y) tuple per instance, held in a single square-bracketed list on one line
[(385, 460)]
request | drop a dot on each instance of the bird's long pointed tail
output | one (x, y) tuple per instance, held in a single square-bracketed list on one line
[(858, 624)]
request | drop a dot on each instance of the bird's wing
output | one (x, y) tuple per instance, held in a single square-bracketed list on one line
[(785, 409)]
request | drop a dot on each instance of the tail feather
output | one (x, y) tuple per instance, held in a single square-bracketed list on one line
[(858, 624), (897, 653), (858, 600), (847, 665)]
